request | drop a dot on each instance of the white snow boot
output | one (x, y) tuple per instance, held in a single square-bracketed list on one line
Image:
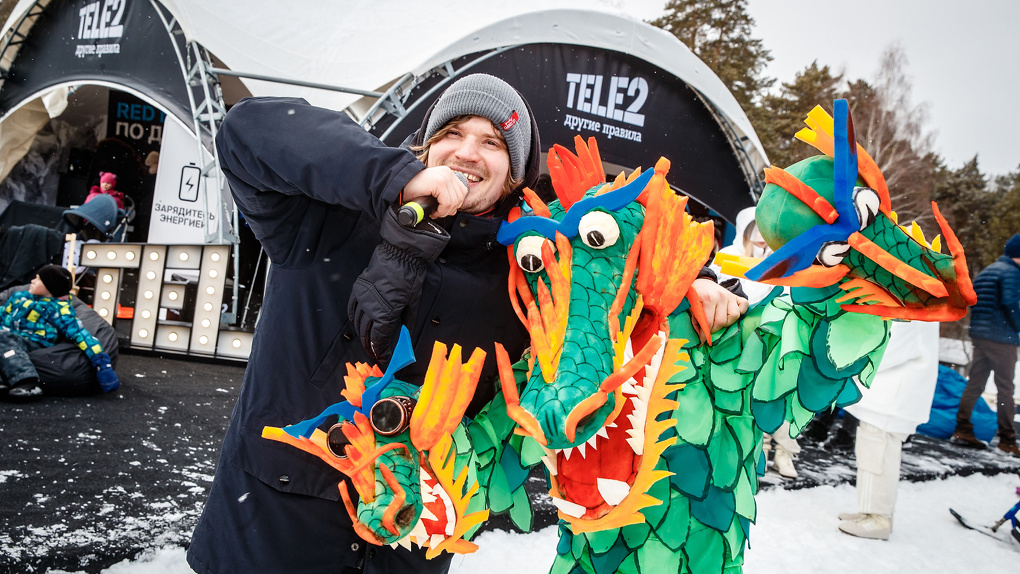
[(874, 526), (782, 463)]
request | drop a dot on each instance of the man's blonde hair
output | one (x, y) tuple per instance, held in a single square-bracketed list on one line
[(422, 151)]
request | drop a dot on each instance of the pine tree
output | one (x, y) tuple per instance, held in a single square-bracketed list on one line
[(1004, 219), (782, 115), (966, 203), (719, 33)]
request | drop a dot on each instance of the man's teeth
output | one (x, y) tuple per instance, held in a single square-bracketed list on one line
[(569, 508), (469, 177), (613, 491)]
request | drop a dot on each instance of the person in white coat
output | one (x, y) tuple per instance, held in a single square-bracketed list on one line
[(748, 242), (898, 401)]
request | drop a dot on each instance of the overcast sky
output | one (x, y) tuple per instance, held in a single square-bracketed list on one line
[(963, 56)]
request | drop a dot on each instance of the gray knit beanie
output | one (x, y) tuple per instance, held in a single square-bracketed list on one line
[(491, 98)]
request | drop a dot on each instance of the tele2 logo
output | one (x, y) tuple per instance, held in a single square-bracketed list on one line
[(585, 94), (101, 19)]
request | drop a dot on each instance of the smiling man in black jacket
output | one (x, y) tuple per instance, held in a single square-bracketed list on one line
[(319, 192)]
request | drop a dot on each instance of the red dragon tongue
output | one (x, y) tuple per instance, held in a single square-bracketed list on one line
[(437, 507), (611, 458)]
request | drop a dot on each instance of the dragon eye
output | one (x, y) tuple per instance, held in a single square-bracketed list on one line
[(832, 253), (867, 203), (337, 441), (598, 230), (529, 253), (391, 415)]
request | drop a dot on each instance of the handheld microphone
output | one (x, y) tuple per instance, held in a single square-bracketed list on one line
[(415, 211)]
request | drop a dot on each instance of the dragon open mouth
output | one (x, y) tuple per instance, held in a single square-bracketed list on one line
[(445, 497), (602, 483)]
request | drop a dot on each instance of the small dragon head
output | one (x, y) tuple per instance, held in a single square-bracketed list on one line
[(594, 275), (394, 441), (830, 221)]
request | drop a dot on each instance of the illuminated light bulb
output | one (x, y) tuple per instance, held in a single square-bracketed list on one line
[(184, 256), (143, 333), (215, 257), (146, 314), (212, 273), (172, 337), (207, 306), (90, 254), (105, 295), (203, 339), (111, 255), (107, 278), (151, 275), (172, 295), (236, 343), (130, 255), (211, 290), (104, 312), (206, 323), (148, 294), (154, 256)]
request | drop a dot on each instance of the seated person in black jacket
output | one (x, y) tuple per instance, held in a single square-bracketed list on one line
[(319, 192)]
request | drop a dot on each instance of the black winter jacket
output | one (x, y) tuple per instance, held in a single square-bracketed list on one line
[(996, 315), (313, 185)]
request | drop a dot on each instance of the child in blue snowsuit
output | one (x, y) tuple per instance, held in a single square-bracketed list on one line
[(35, 319)]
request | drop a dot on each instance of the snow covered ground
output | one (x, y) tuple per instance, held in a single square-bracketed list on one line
[(796, 533)]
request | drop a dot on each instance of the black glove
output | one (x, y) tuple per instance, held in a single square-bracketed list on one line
[(387, 292)]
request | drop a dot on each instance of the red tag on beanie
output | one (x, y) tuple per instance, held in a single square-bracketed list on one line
[(510, 122)]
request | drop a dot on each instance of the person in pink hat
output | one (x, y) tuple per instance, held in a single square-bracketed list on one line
[(107, 183)]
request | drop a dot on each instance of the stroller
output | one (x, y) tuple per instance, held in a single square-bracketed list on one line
[(32, 235), (100, 219)]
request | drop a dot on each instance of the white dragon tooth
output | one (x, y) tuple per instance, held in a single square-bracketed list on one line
[(640, 407), (644, 392), (635, 421), (426, 514), (602, 432), (550, 463), (567, 452), (637, 444), (628, 351), (418, 532), (612, 426), (569, 508), (612, 491), (405, 542), (394, 545), (628, 388), (436, 540), (426, 496), (580, 448)]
